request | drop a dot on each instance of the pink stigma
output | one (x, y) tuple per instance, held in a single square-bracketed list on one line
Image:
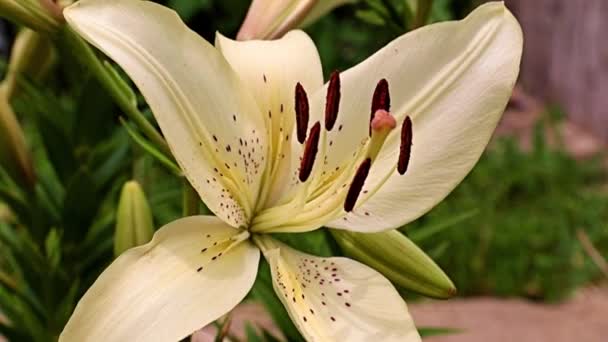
[(383, 120)]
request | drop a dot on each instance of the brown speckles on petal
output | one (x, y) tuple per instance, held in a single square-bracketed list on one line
[(311, 289)]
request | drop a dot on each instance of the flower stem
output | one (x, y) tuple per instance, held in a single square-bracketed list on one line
[(423, 10), (83, 53), (264, 243), (190, 200), (28, 13)]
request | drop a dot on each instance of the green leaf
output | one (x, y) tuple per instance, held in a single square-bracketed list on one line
[(109, 158), (317, 242), (152, 150), (13, 334), (436, 331), (371, 17), (424, 233), (94, 119), (252, 334), (81, 204), (268, 337), (188, 8), (121, 82), (53, 248)]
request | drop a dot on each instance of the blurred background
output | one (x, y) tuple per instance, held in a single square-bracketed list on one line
[(524, 237)]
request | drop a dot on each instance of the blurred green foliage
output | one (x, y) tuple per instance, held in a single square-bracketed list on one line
[(519, 237), (60, 236)]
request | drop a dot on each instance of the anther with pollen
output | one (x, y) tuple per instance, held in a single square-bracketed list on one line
[(310, 152), (357, 185), (405, 149), (332, 100), (381, 99), (302, 113)]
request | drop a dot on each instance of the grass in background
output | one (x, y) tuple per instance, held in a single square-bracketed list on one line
[(521, 213)]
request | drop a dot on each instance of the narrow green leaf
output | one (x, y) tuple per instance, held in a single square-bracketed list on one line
[(437, 331), (152, 150), (425, 233)]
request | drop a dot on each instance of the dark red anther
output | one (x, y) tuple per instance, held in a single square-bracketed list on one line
[(382, 98), (332, 101), (406, 146), (302, 113), (357, 185), (310, 152)]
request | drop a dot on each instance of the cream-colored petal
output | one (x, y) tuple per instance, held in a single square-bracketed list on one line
[(199, 102), (271, 70), (337, 299), (454, 80), (193, 271)]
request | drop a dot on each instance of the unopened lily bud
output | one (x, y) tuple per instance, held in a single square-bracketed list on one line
[(14, 153), (270, 19), (397, 258), (32, 56), (44, 16), (134, 224), (6, 215)]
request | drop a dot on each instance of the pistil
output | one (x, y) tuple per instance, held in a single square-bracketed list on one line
[(382, 124)]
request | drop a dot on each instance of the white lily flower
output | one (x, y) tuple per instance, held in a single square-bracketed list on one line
[(267, 157)]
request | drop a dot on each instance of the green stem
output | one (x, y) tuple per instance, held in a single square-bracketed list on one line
[(190, 200), (423, 11), (83, 53), (28, 14)]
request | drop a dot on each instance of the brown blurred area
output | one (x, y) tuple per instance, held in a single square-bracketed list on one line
[(565, 60)]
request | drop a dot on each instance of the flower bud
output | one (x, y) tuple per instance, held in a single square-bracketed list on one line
[(32, 56), (270, 19), (397, 258), (6, 215), (134, 224), (40, 15), (14, 154)]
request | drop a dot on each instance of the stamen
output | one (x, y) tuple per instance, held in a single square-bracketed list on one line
[(310, 152), (332, 101), (357, 185), (406, 146), (381, 99), (302, 112)]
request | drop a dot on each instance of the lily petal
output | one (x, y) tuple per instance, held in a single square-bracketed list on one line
[(271, 70), (165, 290), (199, 102), (337, 299), (453, 80)]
